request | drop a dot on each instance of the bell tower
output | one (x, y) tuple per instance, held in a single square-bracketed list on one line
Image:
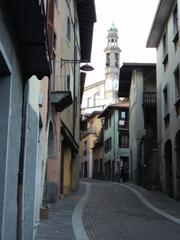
[(112, 52)]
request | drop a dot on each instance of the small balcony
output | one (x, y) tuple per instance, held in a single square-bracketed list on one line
[(123, 124), (149, 99)]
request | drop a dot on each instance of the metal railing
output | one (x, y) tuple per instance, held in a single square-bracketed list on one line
[(149, 98)]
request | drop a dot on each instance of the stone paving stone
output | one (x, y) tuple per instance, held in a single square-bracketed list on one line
[(59, 224), (115, 213), (160, 200)]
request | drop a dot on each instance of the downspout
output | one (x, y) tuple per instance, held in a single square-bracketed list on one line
[(114, 142), (74, 75), (21, 161)]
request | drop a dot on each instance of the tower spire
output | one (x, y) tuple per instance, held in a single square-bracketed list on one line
[(112, 52)]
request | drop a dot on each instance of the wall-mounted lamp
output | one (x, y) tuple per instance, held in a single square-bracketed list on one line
[(86, 67)]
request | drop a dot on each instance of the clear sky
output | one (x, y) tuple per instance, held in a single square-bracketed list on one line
[(133, 18)]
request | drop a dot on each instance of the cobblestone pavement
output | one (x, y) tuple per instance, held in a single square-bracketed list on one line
[(59, 224), (113, 212)]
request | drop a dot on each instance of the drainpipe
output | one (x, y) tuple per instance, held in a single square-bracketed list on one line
[(114, 142), (21, 160), (74, 78)]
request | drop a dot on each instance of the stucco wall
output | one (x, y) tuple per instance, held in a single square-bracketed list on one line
[(10, 130), (30, 164), (166, 78), (67, 171), (136, 121)]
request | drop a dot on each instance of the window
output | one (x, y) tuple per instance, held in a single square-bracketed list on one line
[(177, 83), (177, 90), (165, 50), (68, 83), (165, 44), (68, 35), (123, 119), (107, 59), (116, 60), (175, 27), (85, 148), (107, 122), (88, 101), (108, 145), (175, 20), (123, 140), (165, 101), (166, 110), (123, 115)]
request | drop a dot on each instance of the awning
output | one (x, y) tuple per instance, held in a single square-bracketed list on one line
[(61, 100), (29, 26), (161, 17)]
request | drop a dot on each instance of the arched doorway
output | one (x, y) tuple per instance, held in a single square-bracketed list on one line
[(177, 149), (168, 168)]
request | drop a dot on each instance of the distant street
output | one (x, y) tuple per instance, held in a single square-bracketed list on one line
[(111, 211)]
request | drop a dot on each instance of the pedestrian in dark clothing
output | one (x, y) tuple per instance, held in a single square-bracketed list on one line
[(121, 175)]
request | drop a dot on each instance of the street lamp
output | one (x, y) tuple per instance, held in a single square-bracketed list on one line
[(86, 67)]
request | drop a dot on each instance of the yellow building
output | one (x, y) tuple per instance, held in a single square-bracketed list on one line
[(88, 139), (98, 154)]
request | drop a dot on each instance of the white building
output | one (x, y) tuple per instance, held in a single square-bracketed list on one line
[(164, 36), (103, 93)]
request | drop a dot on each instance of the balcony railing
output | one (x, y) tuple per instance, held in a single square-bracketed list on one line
[(123, 124), (149, 98)]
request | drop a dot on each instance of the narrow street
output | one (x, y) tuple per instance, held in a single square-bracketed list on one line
[(109, 211)]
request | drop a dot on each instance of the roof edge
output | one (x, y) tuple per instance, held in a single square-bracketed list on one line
[(162, 14)]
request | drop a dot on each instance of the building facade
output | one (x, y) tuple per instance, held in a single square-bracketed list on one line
[(92, 127), (93, 98), (164, 36), (23, 60), (98, 156), (69, 47), (116, 140), (138, 82), (100, 94)]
